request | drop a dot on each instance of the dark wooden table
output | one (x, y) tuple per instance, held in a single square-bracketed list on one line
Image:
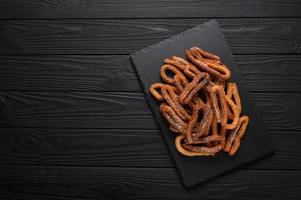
[(74, 123)]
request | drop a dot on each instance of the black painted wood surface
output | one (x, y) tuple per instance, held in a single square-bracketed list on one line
[(74, 123)]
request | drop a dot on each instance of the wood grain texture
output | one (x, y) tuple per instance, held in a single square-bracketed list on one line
[(245, 36), (75, 110), (260, 73), (280, 111), (54, 9), (118, 148), (68, 73), (143, 183), (266, 73)]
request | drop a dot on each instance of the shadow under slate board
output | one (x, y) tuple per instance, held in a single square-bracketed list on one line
[(208, 36)]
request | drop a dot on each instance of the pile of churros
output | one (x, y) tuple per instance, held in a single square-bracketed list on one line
[(200, 105)]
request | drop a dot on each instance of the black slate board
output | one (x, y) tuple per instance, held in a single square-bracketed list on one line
[(194, 170)]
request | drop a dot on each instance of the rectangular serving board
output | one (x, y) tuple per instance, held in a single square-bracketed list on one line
[(208, 36)]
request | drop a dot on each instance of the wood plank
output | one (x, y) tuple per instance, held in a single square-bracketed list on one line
[(54, 9), (276, 73), (122, 148), (75, 110), (267, 73), (67, 73), (245, 36), (280, 111), (143, 183)]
